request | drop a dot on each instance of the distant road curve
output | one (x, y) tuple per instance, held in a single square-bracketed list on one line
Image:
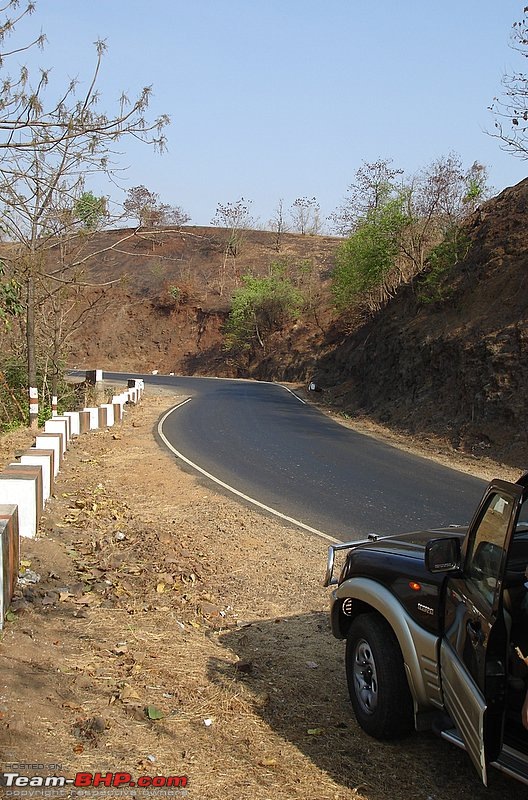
[(262, 441)]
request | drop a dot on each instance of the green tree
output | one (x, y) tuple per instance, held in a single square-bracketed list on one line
[(90, 210), (394, 226), (367, 261), (261, 306)]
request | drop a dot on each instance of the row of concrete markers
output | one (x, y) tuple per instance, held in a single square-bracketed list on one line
[(26, 484)]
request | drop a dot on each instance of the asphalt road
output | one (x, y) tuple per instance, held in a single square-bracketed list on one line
[(261, 440)]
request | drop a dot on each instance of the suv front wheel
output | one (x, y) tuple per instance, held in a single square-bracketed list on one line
[(376, 678)]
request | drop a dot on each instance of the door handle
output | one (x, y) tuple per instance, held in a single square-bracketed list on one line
[(475, 632)]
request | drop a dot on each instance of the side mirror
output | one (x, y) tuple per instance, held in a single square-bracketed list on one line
[(442, 555)]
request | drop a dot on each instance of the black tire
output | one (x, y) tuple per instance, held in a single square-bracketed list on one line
[(376, 679)]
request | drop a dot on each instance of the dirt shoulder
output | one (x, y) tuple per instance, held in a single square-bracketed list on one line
[(174, 631)]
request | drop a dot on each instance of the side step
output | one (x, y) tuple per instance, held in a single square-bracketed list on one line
[(512, 763), (453, 736), (443, 726)]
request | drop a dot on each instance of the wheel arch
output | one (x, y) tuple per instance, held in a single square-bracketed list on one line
[(419, 647)]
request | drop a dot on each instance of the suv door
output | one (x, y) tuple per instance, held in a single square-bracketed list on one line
[(473, 649)]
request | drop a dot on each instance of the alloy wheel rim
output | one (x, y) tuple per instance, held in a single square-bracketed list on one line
[(365, 677)]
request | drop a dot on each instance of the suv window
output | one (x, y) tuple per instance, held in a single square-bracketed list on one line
[(487, 548), (518, 557), (522, 522)]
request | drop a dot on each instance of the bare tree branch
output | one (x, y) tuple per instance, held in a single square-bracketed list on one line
[(511, 109), (48, 149)]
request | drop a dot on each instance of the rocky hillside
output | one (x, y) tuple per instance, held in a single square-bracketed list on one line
[(168, 311), (457, 367)]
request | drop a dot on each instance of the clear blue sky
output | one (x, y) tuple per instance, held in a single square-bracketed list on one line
[(278, 99)]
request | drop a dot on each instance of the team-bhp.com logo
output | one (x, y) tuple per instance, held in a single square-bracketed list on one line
[(93, 780)]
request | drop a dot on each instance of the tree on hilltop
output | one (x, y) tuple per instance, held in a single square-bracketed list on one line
[(235, 218), (140, 204), (306, 215), (146, 207), (367, 269), (437, 200), (278, 224), (90, 210)]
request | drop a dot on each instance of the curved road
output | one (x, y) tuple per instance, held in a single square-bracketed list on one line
[(263, 441)]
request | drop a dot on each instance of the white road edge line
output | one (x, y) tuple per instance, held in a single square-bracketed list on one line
[(231, 488), (291, 392)]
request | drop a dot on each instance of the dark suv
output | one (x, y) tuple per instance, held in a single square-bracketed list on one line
[(436, 624)]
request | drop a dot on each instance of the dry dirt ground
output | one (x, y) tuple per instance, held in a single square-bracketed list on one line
[(176, 632)]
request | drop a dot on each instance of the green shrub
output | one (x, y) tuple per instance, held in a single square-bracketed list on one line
[(435, 286), (261, 306)]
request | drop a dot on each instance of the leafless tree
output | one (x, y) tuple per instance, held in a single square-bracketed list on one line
[(49, 146), (306, 215), (436, 201), (173, 216), (235, 218), (511, 109), (141, 204), (146, 207), (374, 183), (278, 224)]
